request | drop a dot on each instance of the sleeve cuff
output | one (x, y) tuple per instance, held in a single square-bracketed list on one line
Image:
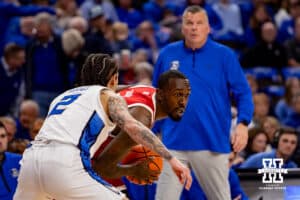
[(245, 122)]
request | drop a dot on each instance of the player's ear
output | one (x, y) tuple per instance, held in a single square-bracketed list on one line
[(159, 95), (113, 81)]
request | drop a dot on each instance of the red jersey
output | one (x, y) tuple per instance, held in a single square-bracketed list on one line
[(140, 95)]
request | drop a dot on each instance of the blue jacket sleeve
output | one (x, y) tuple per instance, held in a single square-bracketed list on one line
[(254, 162), (239, 87)]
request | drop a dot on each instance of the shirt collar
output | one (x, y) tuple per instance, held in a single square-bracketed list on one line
[(6, 68)]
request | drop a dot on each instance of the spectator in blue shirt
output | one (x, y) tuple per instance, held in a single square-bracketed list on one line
[(9, 167), (293, 118), (9, 10), (46, 64), (202, 138), (286, 140), (11, 77)]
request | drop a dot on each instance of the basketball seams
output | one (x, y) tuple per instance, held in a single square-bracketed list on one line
[(140, 153)]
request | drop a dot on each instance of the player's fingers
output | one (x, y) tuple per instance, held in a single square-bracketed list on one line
[(233, 138), (154, 178), (188, 181), (155, 172), (239, 145)]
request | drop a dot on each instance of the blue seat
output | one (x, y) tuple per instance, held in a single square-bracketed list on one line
[(274, 90), (261, 72), (288, 72)]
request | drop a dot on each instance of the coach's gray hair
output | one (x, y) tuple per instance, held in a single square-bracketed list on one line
[(193, 9)]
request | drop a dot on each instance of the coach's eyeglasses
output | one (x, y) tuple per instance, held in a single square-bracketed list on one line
[(3, 135)]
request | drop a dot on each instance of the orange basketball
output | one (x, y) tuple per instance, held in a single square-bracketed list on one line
[(140, 153)]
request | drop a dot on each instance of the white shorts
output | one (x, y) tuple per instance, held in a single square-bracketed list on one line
[(56, 171)]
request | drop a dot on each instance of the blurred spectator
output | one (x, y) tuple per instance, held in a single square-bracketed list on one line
[(147, 39), (95, 41), (235, 160), (261, 108), (120, 34), (270, 126), (20, 30), (155, 10), (108, 9), (10, 126), (282, 14), (266, 52), (128, 14), (9, 10), (257, 142), (143, 73), (29, 112), (9, 167), (286, 142), (126, 72), (283, 106), (140, 55), (286, 30), (46, 64), (232, 31), (293, 46), (42, 2), (79, 23), (65, 9), (252, 83), (18, 145), (253, 30), (73, 42), (35, 128), (293, 117), (11, 77)]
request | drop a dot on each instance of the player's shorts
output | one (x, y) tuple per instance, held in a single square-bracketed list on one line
[(58, 171)]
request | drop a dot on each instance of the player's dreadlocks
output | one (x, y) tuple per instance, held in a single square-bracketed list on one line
[(98, 69)]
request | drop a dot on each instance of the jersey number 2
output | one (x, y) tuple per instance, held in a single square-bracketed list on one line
[(61, 106)]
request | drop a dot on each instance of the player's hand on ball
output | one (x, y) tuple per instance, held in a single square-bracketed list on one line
[(182, 172), (147, 165), (142, 173)]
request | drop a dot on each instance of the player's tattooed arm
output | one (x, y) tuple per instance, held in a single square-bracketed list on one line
[(118, 111), (107, 164)]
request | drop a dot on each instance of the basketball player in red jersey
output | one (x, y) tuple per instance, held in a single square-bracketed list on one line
[(146, 104)]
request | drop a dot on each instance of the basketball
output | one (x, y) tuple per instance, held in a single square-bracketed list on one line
[(140, 153)]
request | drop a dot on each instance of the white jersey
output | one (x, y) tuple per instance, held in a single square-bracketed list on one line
[(77, 117)]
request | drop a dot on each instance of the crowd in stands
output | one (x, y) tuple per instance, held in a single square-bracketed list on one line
[(43, 44)]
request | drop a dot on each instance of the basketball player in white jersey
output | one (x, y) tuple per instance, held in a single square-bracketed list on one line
[(58, 164)]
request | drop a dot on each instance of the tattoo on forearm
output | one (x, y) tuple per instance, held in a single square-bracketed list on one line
[(117, 107), (136, 130)]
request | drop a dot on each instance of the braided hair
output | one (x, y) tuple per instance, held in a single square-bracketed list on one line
[(98, 69)]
